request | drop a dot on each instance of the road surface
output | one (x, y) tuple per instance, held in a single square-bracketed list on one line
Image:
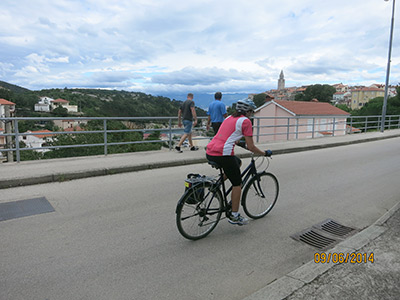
[(115, 237)]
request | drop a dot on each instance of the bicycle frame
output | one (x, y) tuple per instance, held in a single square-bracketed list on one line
[(246, 174)]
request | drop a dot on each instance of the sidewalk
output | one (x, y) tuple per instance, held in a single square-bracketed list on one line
[(56, 170), (373, 281)]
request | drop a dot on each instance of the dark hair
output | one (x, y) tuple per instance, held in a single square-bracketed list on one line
[(190, 95), (218, 96), (238, 114)]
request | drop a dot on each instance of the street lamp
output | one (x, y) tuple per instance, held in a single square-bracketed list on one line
[(387, 72)]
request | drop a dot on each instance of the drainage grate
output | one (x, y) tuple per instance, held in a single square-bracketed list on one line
[(334, 228), (325, 234), (24, 208), (314, 238)]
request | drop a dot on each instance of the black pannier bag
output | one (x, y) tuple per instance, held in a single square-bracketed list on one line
[(194, 180)]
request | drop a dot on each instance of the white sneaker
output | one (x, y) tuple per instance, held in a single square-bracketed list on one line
[(239, 220)]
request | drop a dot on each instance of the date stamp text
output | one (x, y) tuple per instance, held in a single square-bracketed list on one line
[(343, 258)]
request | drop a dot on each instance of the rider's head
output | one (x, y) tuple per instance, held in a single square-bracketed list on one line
[(245, 106)]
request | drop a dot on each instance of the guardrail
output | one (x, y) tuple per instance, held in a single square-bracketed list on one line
[(312, 127), (13, 146), (284, 128)]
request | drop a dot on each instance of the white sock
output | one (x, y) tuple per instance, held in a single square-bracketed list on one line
[(235, 214)]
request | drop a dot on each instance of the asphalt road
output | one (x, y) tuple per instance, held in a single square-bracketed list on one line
[(115, 237)]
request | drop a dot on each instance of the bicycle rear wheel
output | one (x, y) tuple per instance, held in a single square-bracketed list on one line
[(260, 195), (199, 211)]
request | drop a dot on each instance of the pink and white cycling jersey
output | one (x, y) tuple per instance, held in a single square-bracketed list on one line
[(231, 130)]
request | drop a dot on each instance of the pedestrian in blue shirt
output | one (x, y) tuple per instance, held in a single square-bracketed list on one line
[(216, 113)]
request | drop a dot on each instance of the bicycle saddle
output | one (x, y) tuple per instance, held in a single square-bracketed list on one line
[(214, 165)]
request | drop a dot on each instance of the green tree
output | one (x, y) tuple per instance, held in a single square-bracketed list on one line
[(259, 99), (27, 154), (323, 93), (6, 94), (60, 111), (343, 107)]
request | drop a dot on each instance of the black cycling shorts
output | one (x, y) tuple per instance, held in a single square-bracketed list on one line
[(230, 165)]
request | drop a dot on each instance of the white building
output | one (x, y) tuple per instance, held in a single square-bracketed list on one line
[(64, 124), (65, 104), (37, 140), (44, 104)]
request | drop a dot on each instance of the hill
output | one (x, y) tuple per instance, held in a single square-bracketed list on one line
[(13, 88), (95, 102)]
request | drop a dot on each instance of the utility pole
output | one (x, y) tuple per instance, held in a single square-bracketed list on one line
[(388, 70)]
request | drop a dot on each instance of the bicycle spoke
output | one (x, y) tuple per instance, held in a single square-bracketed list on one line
[(198, 216), (260, 195)]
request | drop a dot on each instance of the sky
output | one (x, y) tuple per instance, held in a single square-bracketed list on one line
[(165, 47)]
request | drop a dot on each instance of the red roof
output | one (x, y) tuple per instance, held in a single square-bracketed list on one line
[(77, 128), (6, 102), (60, 101), (309, 108), (41, 135)]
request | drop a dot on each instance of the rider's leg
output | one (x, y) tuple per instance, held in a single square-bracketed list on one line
[(236, 192)]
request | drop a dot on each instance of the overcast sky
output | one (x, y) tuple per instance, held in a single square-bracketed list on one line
[(170, 46)]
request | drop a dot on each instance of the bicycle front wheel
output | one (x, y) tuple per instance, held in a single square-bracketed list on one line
[(199, 211), (260, 195)]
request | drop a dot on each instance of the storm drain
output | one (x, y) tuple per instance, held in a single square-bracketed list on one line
[(24, 208), (325, 234), (334, 228)]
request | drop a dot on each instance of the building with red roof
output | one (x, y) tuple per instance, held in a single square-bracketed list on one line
[(3, 103), (284, 120), (36, 140), (65, 104)]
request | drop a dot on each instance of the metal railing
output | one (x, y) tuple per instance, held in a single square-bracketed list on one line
[(169, 126), (284, 128), (288, 128)]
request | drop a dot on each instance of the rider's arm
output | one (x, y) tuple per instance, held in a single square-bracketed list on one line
[(253, 148)]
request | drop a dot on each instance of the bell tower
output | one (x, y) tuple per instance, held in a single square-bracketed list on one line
[(281, 81)]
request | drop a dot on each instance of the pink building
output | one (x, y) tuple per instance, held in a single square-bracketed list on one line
[(288, 120)]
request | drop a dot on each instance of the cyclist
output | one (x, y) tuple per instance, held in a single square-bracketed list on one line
[(221, 151)]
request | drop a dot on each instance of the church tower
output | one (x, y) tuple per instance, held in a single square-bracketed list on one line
[(281, 81)]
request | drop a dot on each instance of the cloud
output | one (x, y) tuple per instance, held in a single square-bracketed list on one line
[(204, 45), (47, 22), (200, 76), (114, 76)]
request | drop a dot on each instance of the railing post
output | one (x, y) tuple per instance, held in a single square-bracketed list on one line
[(170, 134), (390, 121), (313, 127), (8, 130), (333, 128), (366, 124), (17, 140), (297, 128), (351, 124), (288, 128), (258, 130), (105, 136)]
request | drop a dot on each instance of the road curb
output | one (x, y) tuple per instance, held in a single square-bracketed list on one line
[(291, 282), (61, 177)]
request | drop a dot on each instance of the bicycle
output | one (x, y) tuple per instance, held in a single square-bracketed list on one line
[(200, 208)]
